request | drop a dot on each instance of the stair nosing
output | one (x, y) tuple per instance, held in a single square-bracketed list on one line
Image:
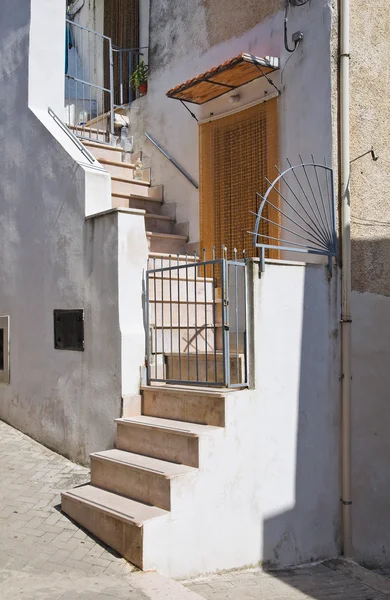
[(112, 511), (166, 235), (195, 391), (161, 474), (136, 197), (131, 181), (101, 145), (174, 430), (117, 163)]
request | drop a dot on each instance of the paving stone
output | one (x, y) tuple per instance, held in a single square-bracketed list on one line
[(43, 555)]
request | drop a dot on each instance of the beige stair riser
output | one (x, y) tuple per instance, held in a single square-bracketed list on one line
[(180, 290), (123, 537), (141, 485), (149, 205), (136, 188), (203, 409), (118, 171), (184, 340), (159, 225), (166, 245), (103, 151), (164, 313), (159, 443), (193, 369)]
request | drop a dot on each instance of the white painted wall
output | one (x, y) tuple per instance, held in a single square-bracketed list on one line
[(268, 485), (52, 258), (304, 106), (370, 428)]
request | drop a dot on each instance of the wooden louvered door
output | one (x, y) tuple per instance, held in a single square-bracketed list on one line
[(121, 24), (237, 153)]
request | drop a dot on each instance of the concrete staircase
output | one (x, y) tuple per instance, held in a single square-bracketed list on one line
[(163, 233), (141, 488), (154, 497)]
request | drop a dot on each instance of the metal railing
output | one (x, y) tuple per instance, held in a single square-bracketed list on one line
[(171, 160), (89, 84), (126, 60), (196, 321)]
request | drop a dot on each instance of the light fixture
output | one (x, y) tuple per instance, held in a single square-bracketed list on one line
[(235, 98)]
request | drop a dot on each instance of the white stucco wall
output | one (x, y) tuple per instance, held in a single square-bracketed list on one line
[(370, 428), (267, 489), (304, 78), (52, 258)]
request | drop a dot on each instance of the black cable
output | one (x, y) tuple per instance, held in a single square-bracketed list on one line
[(285, 31)]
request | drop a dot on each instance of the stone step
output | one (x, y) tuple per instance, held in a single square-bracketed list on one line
[(184, 340), (180, 290), (124, 170), (166, 242), (135, 188), (198, 368), (117, 168), (159, 223), (150, 205), (203, 406), (103, 151), (117, 521), (165, 439), (183, 314), (141, 478)]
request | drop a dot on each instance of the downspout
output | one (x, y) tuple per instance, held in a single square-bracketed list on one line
[(346, 320)]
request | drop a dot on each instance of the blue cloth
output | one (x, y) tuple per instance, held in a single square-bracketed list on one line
[(68, 46)]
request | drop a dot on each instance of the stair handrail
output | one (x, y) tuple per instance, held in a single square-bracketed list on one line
[(171, 160)]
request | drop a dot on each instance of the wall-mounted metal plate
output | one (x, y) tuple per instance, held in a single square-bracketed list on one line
[(69, 329)]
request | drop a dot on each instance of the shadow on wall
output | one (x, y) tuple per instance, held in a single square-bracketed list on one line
[(310, 529), (309, 524)]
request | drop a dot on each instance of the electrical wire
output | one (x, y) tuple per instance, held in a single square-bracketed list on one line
[(291, 50)]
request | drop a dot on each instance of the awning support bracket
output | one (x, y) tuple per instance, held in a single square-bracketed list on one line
[(190, 111), (267, 78)]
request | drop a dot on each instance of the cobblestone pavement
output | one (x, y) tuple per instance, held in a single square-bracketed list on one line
[(316, 582), (43, 555)]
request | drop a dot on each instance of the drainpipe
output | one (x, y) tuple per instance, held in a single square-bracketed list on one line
[(346, 321)]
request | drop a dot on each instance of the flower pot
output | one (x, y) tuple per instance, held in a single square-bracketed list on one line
[(143, 88)]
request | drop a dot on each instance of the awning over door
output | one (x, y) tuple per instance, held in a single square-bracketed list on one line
[(222, 79)]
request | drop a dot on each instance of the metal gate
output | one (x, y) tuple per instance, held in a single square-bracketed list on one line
[(196, 321)]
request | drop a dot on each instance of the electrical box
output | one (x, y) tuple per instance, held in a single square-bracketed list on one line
[(69, 329)]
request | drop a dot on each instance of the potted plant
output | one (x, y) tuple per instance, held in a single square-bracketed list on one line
[(139, 78)]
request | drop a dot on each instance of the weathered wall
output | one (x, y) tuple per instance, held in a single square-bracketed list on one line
[(188, 39), (370, 222), (370, 181), (52, 258)]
